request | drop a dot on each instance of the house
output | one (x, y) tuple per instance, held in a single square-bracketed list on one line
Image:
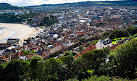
[(13, 41), (103, 43), (4, 46)]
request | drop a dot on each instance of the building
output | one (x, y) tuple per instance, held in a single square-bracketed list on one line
[(13, 41), (103, 43)]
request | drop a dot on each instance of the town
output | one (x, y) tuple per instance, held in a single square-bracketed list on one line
[(62, 41), (74, 31)]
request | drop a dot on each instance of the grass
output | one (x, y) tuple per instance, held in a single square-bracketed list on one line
[(42, 26), (114, 41)]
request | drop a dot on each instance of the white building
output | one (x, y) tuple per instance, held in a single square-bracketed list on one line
[(103, 43)]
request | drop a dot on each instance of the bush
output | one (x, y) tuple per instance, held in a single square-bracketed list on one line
[(96, 78)]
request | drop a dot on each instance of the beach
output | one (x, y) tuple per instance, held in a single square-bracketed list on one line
[(21, 31)]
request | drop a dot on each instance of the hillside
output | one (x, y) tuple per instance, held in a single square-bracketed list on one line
[(84, 4), (9, 18), (6, 6)]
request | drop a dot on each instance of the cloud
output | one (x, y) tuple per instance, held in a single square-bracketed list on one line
[(39, 2)]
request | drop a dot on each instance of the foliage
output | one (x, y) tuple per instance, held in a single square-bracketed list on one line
[(54, 70), (55, 54), (36, 57), (94, 59), (75, 79), (82, 40), (48, 21), (28, 15), (6, 6), (115, 40), (16, 70), (26, 52), (132, 30), (96, 37), (123, 59), (9, 18), (106, 34), (118, 34), (73, 53), (91, 66), (67, 61), (67, 53), (80, 48), (95, 41), (96, 78)]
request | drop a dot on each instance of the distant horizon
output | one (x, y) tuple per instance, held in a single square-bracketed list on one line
[(40, 2)]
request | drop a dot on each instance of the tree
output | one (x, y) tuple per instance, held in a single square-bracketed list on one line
[(96, 37), (118, 34), (36, 67), (37, 71), (95, 59), (132, 30), (123, 59), (9, 18), (79, 69), (15, 70), (36, 57), (48, 21), (68, 60), (26, 52), (82, 40), (80, 48), (55, 70), (67, 53), (106, 34)]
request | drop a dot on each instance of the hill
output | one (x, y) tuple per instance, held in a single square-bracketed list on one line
[(9, 18), (6, 6), (84, 4)]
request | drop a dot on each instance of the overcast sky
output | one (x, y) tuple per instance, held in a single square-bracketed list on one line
[(39, 2)]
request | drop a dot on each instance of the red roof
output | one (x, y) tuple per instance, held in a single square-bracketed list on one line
[(89, 48), (114, 46), (79, 33), (56, 45), (83, 44)]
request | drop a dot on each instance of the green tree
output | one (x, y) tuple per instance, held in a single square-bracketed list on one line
[(54, 70), (9, 18), (119, 34), (68, 60), (106, 34), (36, 68), (80, 48), (123, 59), (79, 69), (48, 21), (82, 40), (95, 59), (67, 53), (98, 78), (36, 57), (15, 70), (132, 30)]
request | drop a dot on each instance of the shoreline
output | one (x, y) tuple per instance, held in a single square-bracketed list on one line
[(20, 31)]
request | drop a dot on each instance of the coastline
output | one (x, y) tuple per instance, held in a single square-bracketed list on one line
[(16, 30)]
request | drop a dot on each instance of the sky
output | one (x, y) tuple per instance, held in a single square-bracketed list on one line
[(39, 2)]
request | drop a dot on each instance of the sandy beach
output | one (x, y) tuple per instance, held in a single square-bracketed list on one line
[(20, 31)]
